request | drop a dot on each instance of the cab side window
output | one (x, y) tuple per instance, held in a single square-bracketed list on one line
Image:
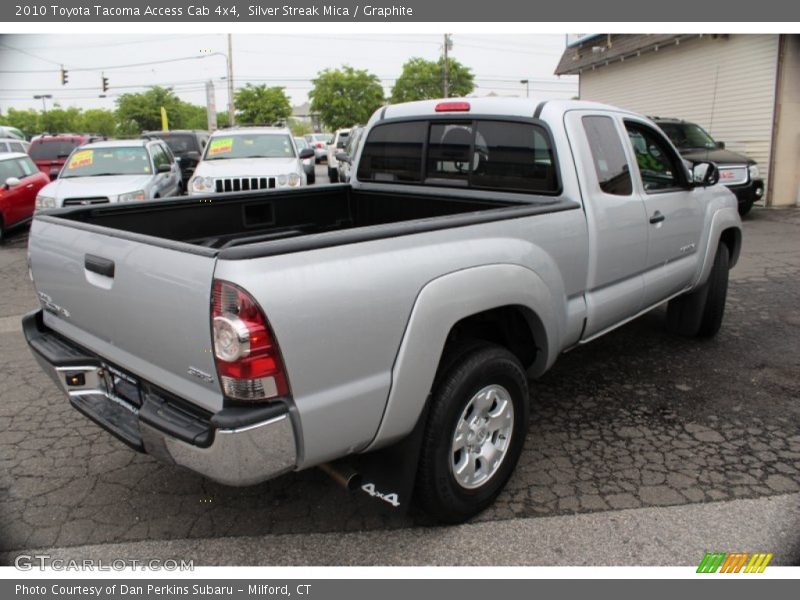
[(159, 156), (608, 156), (658, 165)]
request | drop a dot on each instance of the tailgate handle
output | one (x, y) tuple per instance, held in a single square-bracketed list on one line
[(99, 265)]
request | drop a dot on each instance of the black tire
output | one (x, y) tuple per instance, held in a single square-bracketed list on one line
[(311, 178), (745, 207), (699, 313), (2, 232), (333, 175), (438, 492)]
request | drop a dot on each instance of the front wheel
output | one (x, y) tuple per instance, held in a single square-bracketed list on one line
[(311, 178), (333, 175), (474, 434), (700, 312)]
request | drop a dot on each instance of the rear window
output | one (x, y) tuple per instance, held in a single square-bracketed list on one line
[(52, 149), (393, 153), (500, 155), (181, 144)]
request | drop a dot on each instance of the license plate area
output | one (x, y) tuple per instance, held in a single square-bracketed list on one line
[(121, 385)]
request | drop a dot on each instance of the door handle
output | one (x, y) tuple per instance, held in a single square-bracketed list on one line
[(29, 186), (99, 265), (657, 217)]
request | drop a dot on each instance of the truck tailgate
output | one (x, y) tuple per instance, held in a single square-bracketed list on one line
[(142, 307)]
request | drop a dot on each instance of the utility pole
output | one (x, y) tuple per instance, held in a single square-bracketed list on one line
[(211, 106), (231, 109), (446, 66)]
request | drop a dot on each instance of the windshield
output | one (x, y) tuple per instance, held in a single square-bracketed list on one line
[(181, 144), (97, 162), (52, 149), (256, 145), (688, 135)]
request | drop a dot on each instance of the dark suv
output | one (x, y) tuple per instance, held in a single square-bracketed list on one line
[(737, 171), (49, 152), (187, 145)]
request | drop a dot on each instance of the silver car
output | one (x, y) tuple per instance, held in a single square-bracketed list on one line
[(113, 171)]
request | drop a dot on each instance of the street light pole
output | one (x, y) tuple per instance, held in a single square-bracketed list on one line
[(229, 70), (527, 88), (43, 98)]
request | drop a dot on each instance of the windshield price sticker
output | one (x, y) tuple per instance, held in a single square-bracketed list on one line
[(220, 146), (84, 158)]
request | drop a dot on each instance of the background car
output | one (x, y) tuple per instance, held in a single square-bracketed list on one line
[(187, 145), (13, 145), (241, 159), (319, 141), (736, 171), (49, 152), (308, 163), (337, 143), (114, 171), (20, 181), (345, 157), (7, 131)]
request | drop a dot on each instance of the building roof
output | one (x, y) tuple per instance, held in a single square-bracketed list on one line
[(599, 50)]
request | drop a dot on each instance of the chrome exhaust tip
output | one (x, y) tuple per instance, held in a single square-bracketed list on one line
[(342, 474)]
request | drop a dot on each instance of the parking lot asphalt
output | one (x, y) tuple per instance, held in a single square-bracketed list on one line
[(631, 424)]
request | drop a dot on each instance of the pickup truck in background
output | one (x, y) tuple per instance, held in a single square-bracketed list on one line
[(393, 321)]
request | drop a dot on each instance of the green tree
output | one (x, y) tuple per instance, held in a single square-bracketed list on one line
[(26, 120), (300, 128), (423, 79), (261, 105), (346, 96), (142, 111), (98, 120), (61, 120), (194, 117)]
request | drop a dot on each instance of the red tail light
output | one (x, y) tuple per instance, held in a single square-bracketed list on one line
[(248, 358), (452, 107), (320, 145)]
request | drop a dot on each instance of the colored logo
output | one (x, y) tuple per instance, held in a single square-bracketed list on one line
[(735, 562)]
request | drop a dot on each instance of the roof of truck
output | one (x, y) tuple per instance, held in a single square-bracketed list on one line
[(516, 107)]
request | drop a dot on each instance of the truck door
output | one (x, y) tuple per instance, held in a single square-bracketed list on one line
[(674, 211), (616, 219)]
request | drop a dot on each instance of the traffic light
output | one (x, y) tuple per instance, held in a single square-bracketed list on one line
[(105, 84), (64, 75)]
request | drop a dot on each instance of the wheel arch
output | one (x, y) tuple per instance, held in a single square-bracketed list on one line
[(457, 305)]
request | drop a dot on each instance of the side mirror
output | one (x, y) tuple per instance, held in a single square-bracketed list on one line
[(705, 174), (12, 182), (720, 145), (192, 154), (164, 168), (54, 173), (343, 157), (306, 153), (340, 144)]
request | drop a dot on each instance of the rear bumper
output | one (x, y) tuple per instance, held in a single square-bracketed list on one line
[(235, 446)]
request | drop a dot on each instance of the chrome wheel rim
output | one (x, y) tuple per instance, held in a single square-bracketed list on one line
[(482, 436)]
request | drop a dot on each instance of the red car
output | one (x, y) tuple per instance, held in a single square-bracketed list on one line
[(20, 181), (49, 152)]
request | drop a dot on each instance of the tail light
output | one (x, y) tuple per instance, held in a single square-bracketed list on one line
[(320, 144), (452, 107), (248, 358)]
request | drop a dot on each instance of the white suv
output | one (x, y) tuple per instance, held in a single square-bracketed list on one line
[(338, 143), (249, 158)]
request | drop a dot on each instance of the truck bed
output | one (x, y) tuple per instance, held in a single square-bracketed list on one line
[(240, 224)]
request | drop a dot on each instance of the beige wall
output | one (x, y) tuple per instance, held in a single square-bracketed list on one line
[(726, 84), (786, 158)]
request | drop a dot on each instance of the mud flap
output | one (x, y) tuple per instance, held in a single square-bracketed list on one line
[(388, 475)]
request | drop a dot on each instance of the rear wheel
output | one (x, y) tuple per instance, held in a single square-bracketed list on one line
[(700, 312), (333, 175), (745, 207), (2, 232), (474, 434), (311, 177)]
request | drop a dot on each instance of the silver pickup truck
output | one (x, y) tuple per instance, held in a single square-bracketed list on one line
[(385, 330)]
